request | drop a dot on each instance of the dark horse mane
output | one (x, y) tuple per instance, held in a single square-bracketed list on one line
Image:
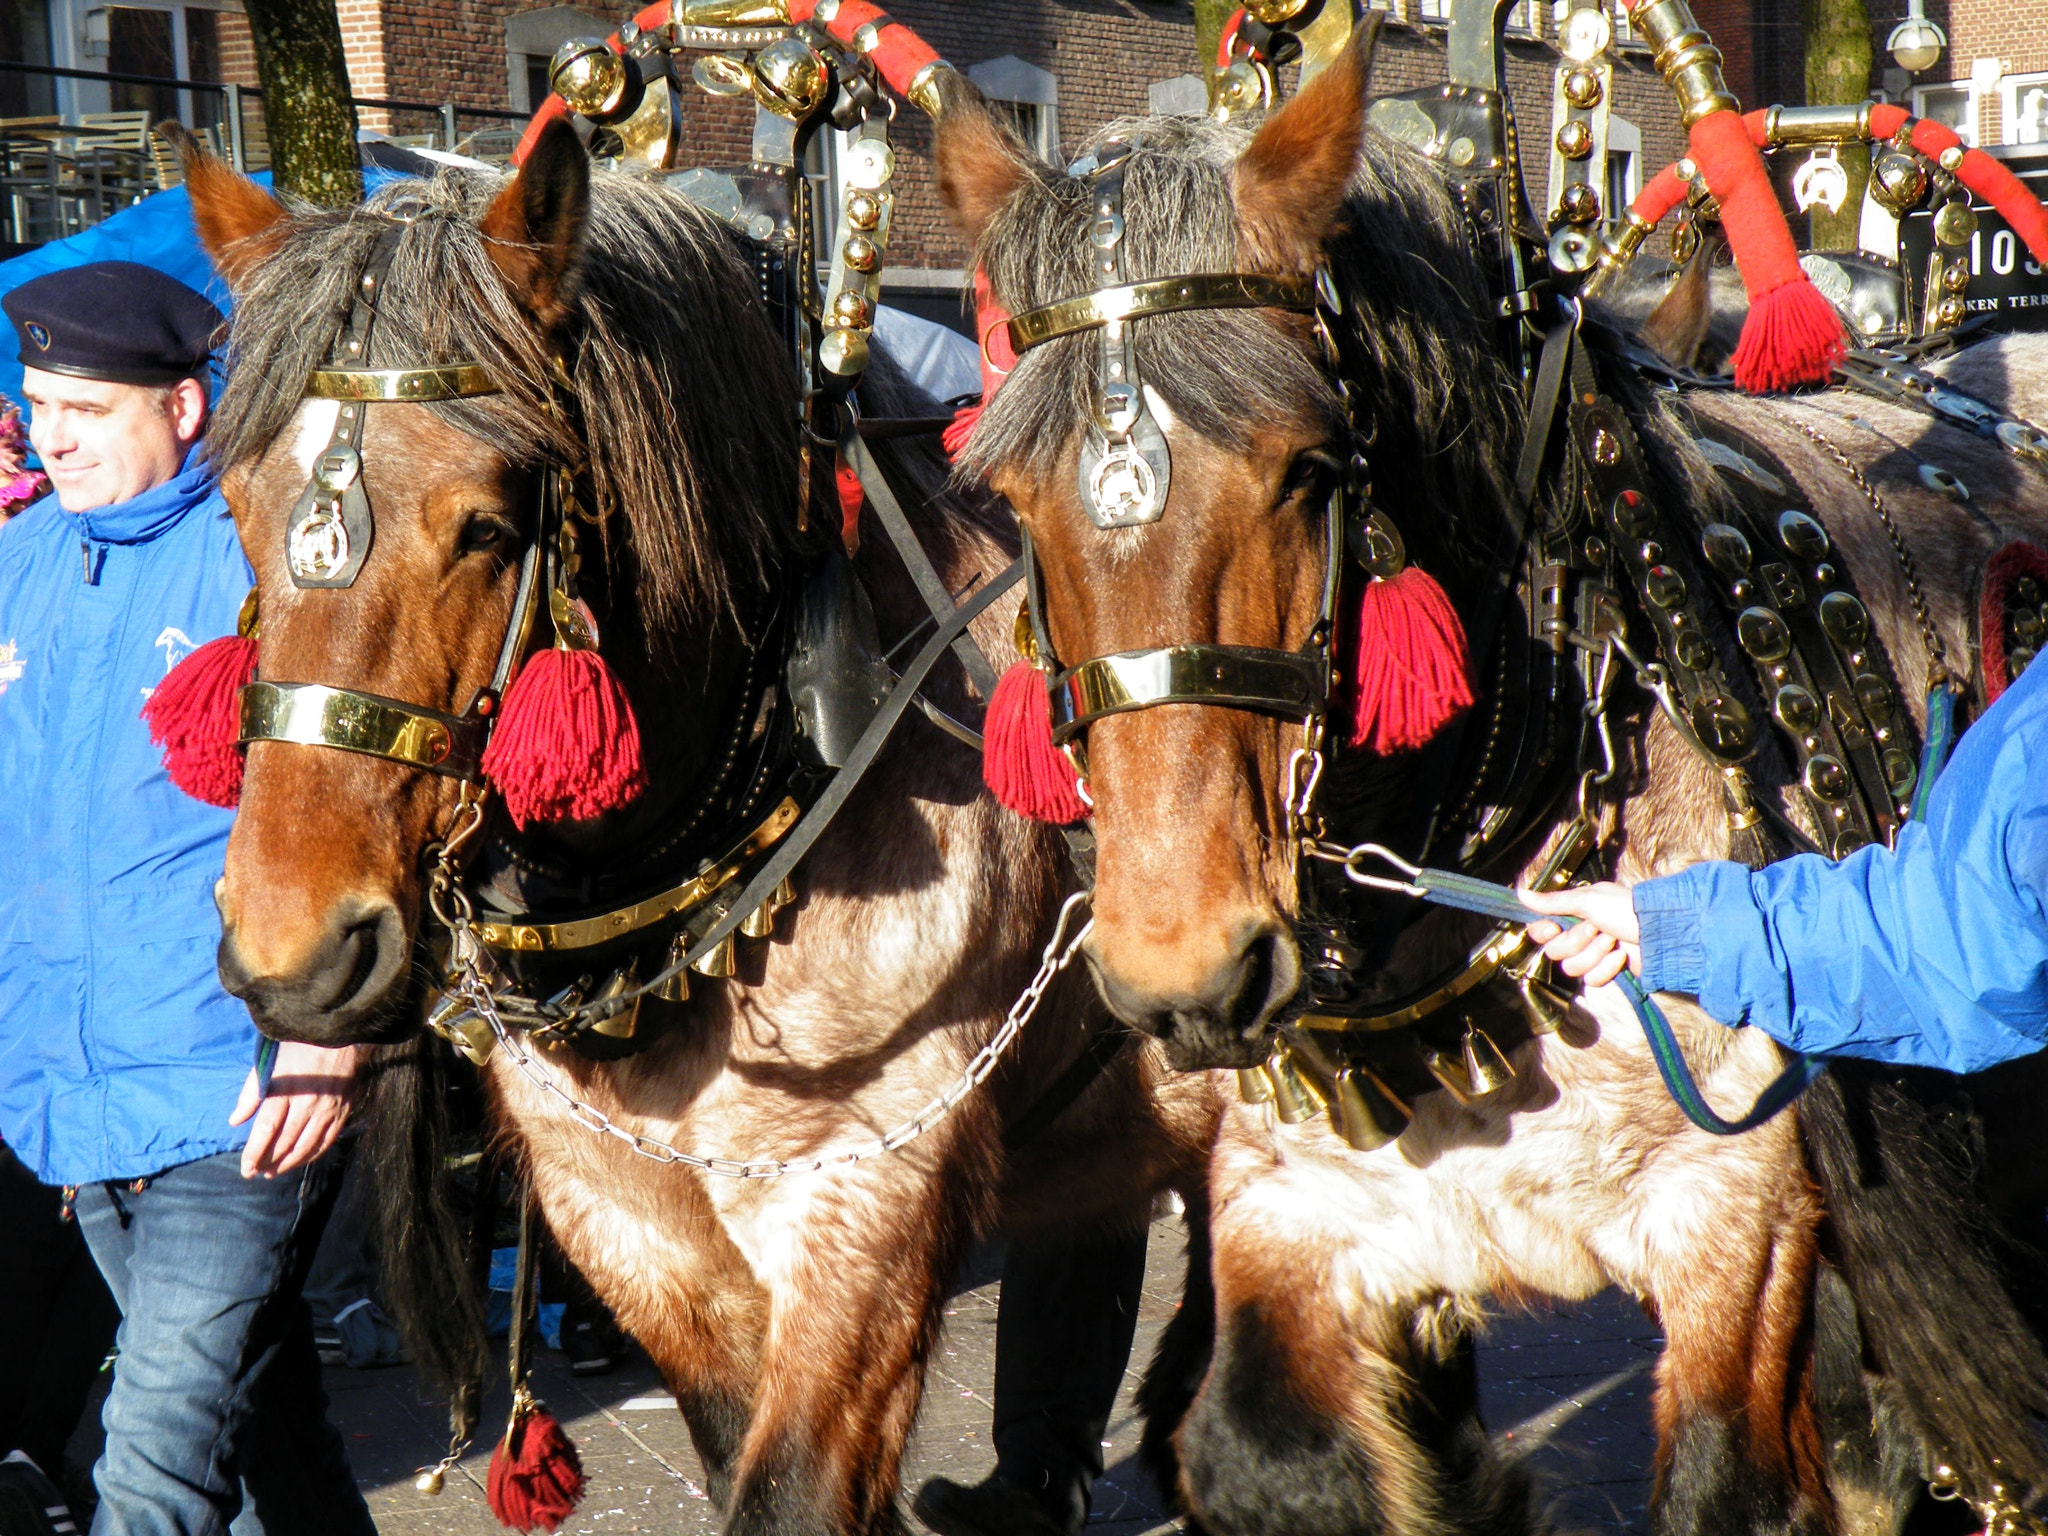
[(659, 355), (1438, 411)]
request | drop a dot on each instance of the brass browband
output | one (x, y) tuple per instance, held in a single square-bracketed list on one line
[(313, 715), (584, 933), (1160, 296), (450, 381), (1236, 676)]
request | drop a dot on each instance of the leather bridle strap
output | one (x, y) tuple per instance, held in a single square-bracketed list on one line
[(1160, 296)]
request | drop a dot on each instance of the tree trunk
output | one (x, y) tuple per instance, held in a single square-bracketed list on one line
[(1838, 58), (306, 108), (1210, 15)]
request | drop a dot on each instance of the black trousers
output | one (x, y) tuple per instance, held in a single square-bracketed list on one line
[(1063, 1337), (57, 1320)]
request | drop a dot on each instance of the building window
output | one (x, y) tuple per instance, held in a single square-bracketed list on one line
[(1027, 98), (25, 36), (2023, 100), (1953, 106), (531, 38), (1624, 166)]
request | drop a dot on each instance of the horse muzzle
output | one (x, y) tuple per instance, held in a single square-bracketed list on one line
[(346, 987), (1227, 1017)]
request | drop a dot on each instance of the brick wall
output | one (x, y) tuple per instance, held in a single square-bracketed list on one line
[(1105, 55)]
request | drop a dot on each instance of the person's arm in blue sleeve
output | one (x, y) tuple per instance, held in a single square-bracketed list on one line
[(1935, 954)]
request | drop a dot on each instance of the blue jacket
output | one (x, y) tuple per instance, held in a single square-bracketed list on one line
[(1934, 955), (120, 1055)]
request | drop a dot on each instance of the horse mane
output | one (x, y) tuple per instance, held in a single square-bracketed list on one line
[(1441, 413), (682, 392)]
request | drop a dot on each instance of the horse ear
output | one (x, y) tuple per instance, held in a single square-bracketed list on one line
[(534, 228), (240, 224), (1290, 183), (980, 163)]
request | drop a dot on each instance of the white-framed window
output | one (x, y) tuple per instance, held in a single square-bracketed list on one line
[(1438, 11), (1025, 96), (1624, 166), (1954, 106), (2023, 108), (531, 38)]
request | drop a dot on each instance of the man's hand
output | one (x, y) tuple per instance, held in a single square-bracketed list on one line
[(308, 1104), (1606, 938)]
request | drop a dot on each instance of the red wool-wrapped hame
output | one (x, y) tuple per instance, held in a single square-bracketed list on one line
[(1410, 674), (195, 715), (536, 1477), (567, 745), (1021, 766)]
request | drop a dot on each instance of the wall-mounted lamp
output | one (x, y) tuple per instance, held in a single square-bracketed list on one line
[(94, 44), (1916, 42)]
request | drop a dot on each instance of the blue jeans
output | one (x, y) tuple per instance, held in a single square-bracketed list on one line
[(217, 1392)]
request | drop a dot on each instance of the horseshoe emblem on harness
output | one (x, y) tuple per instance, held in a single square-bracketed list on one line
[(1124, 480), (318, 549)]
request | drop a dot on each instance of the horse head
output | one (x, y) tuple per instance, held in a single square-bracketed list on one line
[(573, 373), (1196, 891)]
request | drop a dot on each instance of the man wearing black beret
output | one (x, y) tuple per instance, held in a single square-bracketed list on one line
[(200, 1183)]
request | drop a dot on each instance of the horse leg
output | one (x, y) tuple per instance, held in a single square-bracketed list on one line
[(854, 1314), (1739, 1441), (1328, 1410)]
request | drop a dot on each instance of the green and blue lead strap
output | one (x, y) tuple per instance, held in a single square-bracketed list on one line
[(1499, 902), (266, 1063), (1941, 736)]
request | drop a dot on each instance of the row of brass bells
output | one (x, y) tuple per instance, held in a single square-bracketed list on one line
[(723, 960), (1479, 1069)]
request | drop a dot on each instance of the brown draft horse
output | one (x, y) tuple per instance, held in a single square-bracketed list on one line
[(791, 1317), (1338, 1274)]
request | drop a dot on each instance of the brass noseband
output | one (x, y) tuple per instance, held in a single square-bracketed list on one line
[(314, 715), (452, 381), (1160, 296), (1237, 676)]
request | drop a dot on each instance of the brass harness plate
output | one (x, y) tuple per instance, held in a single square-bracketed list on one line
[(1161, 296), (314, 715), (587, 932), (455, 381)]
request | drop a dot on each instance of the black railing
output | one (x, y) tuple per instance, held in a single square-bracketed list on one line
[(232, 119)]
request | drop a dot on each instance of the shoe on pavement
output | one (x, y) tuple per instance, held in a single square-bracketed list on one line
[(30, 1504), (992, 1507), (594, 1345)]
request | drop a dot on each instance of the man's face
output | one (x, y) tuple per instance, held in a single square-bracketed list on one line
[(101, 443)]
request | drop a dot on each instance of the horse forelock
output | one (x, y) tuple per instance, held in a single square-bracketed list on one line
[(680, 393), (1437, 406)]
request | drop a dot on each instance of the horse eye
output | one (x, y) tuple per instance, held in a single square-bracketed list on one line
[(484, 534), (1311, 474)]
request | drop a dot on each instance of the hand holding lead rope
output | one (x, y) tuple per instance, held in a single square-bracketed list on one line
[(1450, 889)]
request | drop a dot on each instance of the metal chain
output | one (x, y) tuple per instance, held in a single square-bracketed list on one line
[(475, 990), (1938, 671)]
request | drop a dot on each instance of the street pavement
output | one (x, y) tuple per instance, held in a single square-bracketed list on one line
[(1568, 1388)]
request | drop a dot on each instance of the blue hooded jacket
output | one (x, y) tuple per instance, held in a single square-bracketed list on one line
[(1934, 954), (120, 1054)]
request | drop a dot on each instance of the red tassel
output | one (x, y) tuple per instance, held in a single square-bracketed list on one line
[(566, 747), (536, 1487), (955, 437), (1020, 765), (2000, 575), (1412, 673), (195, 715), (1792, 336), (852, 497)]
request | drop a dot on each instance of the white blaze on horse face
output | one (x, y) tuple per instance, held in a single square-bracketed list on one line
[(1161, 411), (312, 430)]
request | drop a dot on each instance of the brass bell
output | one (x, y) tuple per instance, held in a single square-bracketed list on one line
[(619, 1026), (784, 895), (1897, 182), (430, 1482), (720, 961), (760, 923), (677, 988), (1255, 1085), (1295, 1097), (464, 1028), (844, 353), (1546, 1007), (595, 82), (1367, 1113), (791, 79), (1486, 1066)]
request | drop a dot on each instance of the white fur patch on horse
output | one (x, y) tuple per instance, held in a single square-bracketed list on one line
[(312, 430), (1161, 411)]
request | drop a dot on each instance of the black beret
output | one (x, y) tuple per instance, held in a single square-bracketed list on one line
[(113, 320)]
